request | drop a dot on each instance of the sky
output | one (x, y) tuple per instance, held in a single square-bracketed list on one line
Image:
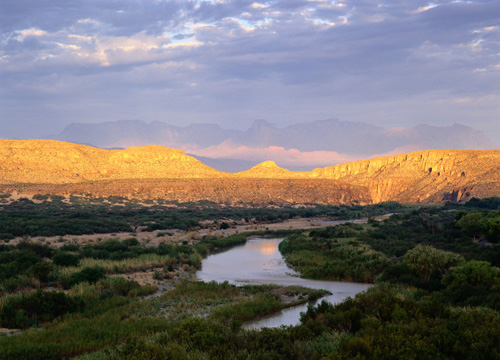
[(229, 62)]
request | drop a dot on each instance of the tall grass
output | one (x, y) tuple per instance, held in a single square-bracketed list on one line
[(77, 335), (140, 263), (117, 284), (7, 298)]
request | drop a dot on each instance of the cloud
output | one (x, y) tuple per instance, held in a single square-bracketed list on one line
[(288, 158), (286, 60), (23, 34), (284, 157)]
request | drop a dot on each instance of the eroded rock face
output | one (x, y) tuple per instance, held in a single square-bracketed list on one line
[(414, 164), (156, 171), (432, 175)]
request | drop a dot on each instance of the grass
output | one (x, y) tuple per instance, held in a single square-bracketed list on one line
[(140, 263), (77, 334), (101, 329)]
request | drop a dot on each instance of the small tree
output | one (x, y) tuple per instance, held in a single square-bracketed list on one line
[(424, 260), (41, 270), (472, 224), (65, 259), (474, 273)]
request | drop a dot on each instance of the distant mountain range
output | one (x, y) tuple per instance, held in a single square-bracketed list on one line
[(298, 147)]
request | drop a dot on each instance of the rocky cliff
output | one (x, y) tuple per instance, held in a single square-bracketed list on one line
[(432, 175), (44, 166)]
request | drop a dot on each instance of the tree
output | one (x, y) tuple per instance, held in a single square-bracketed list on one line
[(474, 284), (41, 270), (424, 260), (474, 273), (493, 229), (65, 259), (472, 224)]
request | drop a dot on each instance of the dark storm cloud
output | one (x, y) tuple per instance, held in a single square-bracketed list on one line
[(196, 59)]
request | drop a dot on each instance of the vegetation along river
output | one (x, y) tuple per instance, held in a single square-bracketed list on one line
[(260, 262)]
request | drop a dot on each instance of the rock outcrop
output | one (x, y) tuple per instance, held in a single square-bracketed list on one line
[(432, 175)]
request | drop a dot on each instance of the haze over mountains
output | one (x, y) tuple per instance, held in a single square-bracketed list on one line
[(301, 146)]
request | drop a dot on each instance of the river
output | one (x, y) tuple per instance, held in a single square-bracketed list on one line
[(260, 262)]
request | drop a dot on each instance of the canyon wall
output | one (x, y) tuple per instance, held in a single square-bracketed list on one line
[(45, 166)]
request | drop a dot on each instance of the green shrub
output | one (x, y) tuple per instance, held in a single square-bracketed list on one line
[(37, 307), (6, 237), (131, 241), (42, 270), (65, 259), (89, 274)]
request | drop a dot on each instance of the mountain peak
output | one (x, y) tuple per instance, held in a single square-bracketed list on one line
[(269, 170), (267, 164), (261, 123)]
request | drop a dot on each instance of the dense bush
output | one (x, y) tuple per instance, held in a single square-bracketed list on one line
[(332, 259), (37, 307), (42, 271), (62, 258), (87, 274), (388, 322)]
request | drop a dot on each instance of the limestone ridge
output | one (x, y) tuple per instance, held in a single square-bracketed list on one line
[(432, 175), (47, 161), (428, 176)]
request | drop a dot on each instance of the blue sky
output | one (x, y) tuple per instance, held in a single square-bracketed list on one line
[(389, 63)]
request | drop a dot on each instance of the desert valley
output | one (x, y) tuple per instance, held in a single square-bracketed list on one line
[(249, 180), (146, 252)]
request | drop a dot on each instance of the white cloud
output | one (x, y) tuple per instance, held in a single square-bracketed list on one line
[(23, 34), (258, 6), (425, 8)]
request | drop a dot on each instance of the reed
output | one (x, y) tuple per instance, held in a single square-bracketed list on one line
[(140, 263)]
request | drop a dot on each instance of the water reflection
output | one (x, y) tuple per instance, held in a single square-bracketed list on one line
[(267, 249), (260, 262)]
